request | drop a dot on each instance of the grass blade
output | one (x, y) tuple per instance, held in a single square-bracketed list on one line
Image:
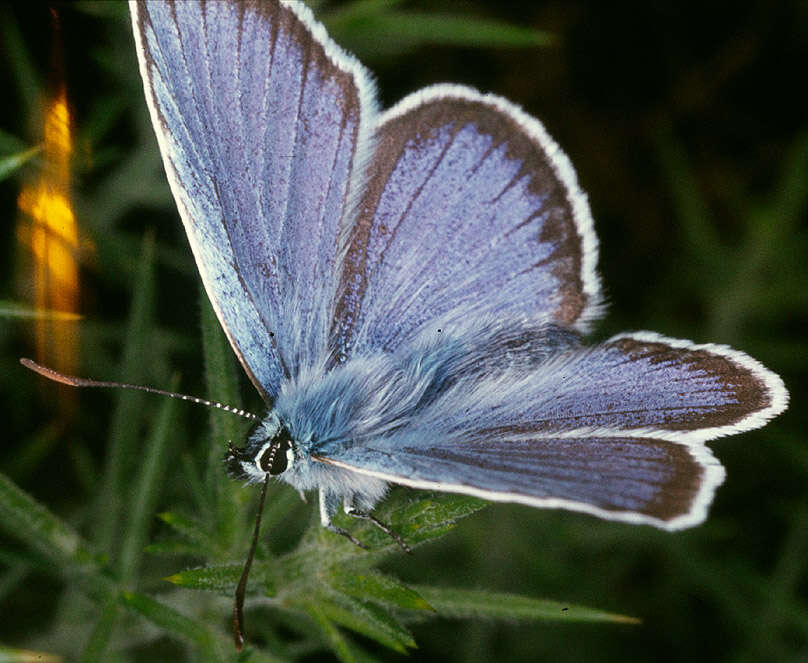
[(32, 523), (147, 489), (123, 434), (19, 310), (222, 386), (11, 163), (170, 620), (472, 603)]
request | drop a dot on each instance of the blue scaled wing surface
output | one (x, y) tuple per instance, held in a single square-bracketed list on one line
[(259, 117), (470, 208), (616, 430), (448, 234), (472, 229)]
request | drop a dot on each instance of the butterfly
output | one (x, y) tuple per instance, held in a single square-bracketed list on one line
[(409, 289)]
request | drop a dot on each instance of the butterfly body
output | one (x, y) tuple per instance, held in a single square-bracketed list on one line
[(382, 398), (408, 290)]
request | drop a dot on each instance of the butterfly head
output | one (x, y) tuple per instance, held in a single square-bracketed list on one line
[(269, 450)]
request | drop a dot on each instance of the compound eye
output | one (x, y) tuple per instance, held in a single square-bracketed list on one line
[(274, 458)]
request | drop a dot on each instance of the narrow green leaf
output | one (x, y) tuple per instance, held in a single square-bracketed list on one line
[(431, 515), (12, 309), (173, 548), (221, 579), (462, 31), (340, 645), (477, 603), (384, 33), (11, 163), (361, 8), (174, 622), (192, 480), (370, 585), (14, 574), (222, 386), (191, 530), (10, 655), (147, 488), (26, 78), (691, 208), (366, 619), (220, 374), (31, 522), (789, 198), (123, 438), (30, 456), (97, 645)]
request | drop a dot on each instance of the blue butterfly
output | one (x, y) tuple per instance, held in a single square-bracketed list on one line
[(408, 289)]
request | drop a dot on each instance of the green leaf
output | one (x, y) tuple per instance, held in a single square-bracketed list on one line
[(471, 603), (694, 215), (98, 643), (221, 579), (65, 552), (222, 386), (431, 515), (11, 163), (344, 650), (148, 487), (11, 309), (11, 655), (375, 586), (124, 440), (372, 31), (221, 377), (168, 618), (366, 619), (14, 574), (190, 529), (29, 458), (417, 516), (26, 80), (173, 548), (31, 522)]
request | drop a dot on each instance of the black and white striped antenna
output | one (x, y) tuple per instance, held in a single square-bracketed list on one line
[(73, 381)]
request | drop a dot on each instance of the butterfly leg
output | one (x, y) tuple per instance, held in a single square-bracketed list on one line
[(351, 510), (329, 504)]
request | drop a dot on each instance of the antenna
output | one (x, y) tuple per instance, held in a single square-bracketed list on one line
[(73, 381)]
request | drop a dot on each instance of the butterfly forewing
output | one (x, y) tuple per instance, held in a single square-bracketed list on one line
[(258, 120), (470, 208)]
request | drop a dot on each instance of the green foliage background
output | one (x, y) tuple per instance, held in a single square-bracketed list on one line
[(688, 131)]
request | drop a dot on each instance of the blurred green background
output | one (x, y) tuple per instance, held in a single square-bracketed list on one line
[(687, 126)]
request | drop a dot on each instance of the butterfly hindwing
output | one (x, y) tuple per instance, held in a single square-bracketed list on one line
[(631, 479), (617, 429), (646, 382), (259, 116)]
